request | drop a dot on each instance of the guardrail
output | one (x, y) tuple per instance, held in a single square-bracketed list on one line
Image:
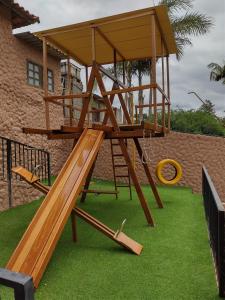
[(215, 217), (13, 153)]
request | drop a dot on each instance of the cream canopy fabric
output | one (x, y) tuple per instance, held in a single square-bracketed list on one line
[(130, 33)]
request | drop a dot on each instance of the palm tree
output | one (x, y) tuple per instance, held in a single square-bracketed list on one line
[(185, 22), (184, 25), (217, 72), (190, 23)]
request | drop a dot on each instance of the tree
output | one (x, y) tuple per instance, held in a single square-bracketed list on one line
[(185, 22), (196, 122), (208, 107), (184, 25), (217, 72)]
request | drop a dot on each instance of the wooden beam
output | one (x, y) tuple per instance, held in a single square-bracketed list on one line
[(45, 82), (29, 130), (87, 102), (111, 76), (109, 42), (100, 192), (153, 67), (130, 89), (71, 96), (148, 173), (124, 150)]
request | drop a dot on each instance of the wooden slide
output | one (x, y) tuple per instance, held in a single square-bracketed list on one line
[(38, 242)]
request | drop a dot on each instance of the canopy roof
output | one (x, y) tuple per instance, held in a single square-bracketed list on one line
[(129, 33)]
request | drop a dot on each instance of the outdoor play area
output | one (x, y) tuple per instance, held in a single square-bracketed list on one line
[(91, 239)]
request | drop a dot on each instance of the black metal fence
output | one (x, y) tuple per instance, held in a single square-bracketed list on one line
[(215, 217), (13, 153)]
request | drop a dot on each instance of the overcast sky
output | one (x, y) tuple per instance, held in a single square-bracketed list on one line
[(189, 74)]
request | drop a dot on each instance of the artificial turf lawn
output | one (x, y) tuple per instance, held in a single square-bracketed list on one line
[(175, 264)]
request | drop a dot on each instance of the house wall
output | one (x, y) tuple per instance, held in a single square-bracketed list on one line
[(22, 105), (191, 151)]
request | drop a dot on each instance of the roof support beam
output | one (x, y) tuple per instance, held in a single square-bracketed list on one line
[(108, 42)]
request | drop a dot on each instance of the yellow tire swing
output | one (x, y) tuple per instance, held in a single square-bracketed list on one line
[(176, 177)]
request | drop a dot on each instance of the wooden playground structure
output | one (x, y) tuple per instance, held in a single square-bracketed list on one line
[(137, 35)]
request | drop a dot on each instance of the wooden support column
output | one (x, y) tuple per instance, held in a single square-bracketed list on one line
[(69, 90), (153, 68), (45, 82), (168, 88), (86, 81), (133, 174), (86, 101), (163, 87)]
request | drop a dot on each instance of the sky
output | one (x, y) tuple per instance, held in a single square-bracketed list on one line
[(189, 74)]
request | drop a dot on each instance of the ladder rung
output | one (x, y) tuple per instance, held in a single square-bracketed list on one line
[(116, 144), (118, 154), (120, 166), (123, 186)]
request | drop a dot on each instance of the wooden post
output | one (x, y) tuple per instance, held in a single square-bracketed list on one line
[(163, 87), (115, 61), (69, 90), (126, 95), (153, 68), (86, 80), (168, 88), (45, 82)]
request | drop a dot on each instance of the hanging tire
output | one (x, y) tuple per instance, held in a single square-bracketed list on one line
[(177, 167)]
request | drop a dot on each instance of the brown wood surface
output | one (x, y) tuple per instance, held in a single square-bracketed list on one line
[(37, 245), (121, 239)]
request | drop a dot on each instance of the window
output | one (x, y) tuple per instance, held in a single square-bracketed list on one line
[(50, 81), (35, 76)]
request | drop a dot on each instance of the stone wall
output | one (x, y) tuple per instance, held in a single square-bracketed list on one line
[(22, 105), (191, 151)]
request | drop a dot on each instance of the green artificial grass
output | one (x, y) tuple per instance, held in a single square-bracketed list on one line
[(175, 264)]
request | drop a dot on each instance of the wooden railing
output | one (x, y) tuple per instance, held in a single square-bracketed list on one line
[(159, 112)]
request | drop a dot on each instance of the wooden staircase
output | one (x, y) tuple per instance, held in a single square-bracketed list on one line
[(119, 163)]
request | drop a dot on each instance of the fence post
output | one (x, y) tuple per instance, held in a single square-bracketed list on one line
[(49, 169), (9, 171), (221, 250)]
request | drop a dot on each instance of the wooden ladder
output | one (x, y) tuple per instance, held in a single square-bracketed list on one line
[(120, 165)]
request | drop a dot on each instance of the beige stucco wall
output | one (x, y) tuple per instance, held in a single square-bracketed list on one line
[(191, 151), (22, 105)]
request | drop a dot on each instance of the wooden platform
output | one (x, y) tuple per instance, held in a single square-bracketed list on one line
[(126, 131)]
